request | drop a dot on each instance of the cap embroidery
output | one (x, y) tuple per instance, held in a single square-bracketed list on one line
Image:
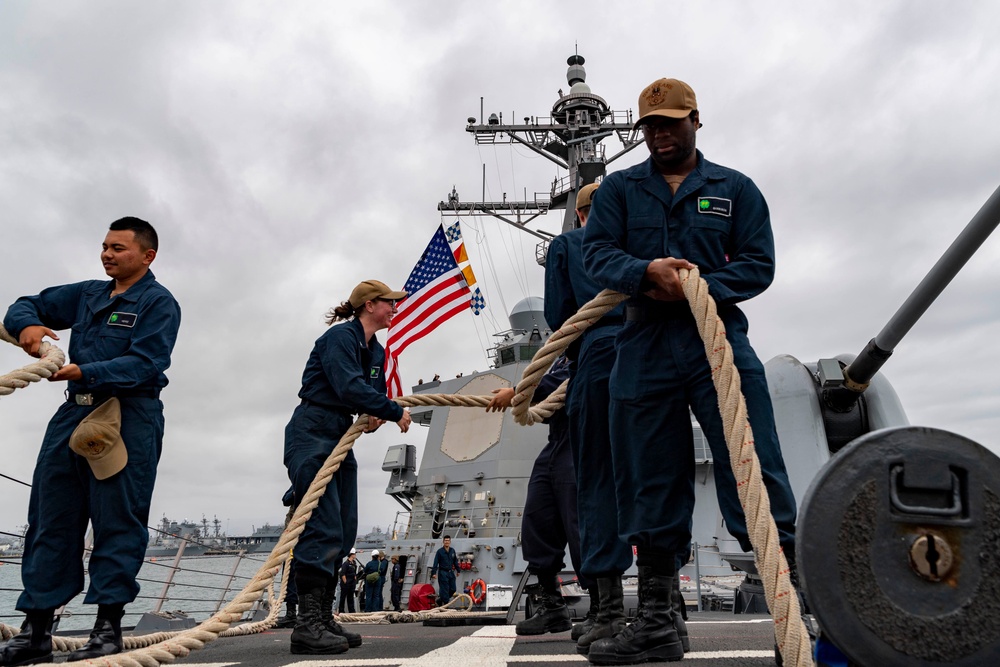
[(657, 95)]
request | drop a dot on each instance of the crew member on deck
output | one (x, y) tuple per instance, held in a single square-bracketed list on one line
[(604, 557), (123, 334), (550, 521), (343, 377), (444, 570), (676, 211), (348, 577)]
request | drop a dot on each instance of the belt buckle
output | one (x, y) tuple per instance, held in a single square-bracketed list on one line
[(83, 399)]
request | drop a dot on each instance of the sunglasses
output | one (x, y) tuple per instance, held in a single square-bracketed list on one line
[(393, 302)]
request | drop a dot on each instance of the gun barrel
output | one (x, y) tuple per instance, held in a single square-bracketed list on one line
[(875, 354)]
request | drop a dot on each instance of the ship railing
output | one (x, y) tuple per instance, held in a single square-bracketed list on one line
[(185, 590), (201, 590)]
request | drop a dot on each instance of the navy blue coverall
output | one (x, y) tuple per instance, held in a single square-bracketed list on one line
[(445, 566), (348, 581), (396, 586), (122, 345), (343, 377), (551, 519), (372, 588), (567, 288), (719, 221), (383, 570)]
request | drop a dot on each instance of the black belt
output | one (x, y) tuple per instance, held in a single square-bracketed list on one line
[(333, 408), (657, 312), (98, 397)]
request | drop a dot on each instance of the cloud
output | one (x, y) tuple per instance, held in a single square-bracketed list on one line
[(287, 151)]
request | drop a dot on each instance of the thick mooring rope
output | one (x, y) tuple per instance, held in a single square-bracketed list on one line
[(524, 413), (158, 648), (51, 359), (789, 630)]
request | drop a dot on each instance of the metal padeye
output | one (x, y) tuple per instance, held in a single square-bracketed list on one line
[(899, 549)]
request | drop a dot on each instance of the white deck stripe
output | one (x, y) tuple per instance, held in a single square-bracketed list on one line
[(334, 662), (715, 655), (487, 647), (490, 647)]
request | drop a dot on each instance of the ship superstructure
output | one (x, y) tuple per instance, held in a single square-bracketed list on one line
[(473, 476)]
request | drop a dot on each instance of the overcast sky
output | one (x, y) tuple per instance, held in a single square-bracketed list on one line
[(286, 151)]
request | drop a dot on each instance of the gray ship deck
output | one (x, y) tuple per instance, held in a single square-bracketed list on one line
[(716, 639)]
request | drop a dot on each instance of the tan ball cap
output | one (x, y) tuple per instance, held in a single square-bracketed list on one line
[(370, 290), (586, 195), (671, 98), (98, 439)]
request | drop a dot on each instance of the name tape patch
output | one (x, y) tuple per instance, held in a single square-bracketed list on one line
[(122, 320), (715, 206)]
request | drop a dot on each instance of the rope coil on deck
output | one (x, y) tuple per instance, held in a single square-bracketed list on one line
[(790, 632)]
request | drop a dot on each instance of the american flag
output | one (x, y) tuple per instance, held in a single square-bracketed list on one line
[(436, 291)]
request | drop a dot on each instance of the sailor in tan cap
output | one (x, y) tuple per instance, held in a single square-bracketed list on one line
[(676, 211), (343, 377)]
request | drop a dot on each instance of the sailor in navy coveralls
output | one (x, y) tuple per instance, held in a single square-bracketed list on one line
[(678, 210), (445, 568), (605, 557), (343, 377), (123, 333)]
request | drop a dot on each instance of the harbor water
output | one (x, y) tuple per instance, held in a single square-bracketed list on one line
[(200, 585)]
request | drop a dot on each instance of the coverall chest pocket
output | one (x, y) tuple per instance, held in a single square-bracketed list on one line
[(113, 341), (647, 236), (706, 224), (708, 241)]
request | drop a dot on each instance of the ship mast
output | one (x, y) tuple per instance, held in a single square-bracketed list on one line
[(571, 138)]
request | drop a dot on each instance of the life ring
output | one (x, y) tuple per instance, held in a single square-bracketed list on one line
[(477, 591)]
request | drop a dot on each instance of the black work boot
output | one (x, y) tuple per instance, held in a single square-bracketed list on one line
[(105, 638), (353, 638), (552, 614), (104, 641), (33, 644), (610, 613), (311, 636), (652, 636), (288, 620), (585, 626), (680, 614)]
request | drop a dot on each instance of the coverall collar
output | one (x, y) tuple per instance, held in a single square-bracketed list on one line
[(360, 329), (99, 300), (653, 182)]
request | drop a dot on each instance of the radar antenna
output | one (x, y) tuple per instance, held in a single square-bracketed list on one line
[(570, 137)]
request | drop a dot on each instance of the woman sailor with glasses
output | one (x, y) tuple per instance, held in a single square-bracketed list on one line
[(343, 377)]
